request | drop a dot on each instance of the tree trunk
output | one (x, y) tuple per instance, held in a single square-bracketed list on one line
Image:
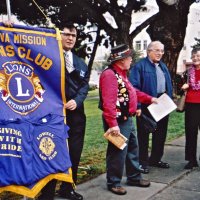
[(97, 42), (122, 33)]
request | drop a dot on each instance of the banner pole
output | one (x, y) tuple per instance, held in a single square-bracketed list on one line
[(8, 9)]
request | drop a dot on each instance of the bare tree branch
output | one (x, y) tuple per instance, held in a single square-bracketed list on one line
[(143, 25)]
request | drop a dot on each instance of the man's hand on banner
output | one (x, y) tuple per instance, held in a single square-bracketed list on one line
[(71, 105), (8, 23)]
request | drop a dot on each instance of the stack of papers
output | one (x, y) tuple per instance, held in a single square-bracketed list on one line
[(164, 106)]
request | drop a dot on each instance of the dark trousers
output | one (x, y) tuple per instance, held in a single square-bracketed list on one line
[(158, 140), (76, 120), (47, 193), (116, 158), (192, 124)]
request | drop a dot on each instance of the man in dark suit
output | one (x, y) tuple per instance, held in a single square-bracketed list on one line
[(77, 86), (77, 78)]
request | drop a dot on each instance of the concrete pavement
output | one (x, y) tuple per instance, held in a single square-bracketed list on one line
[(174, 183)]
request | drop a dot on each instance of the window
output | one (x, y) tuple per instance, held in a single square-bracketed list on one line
[(145, 45), (137, 45)]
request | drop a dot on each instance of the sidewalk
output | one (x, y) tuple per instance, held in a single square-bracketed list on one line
[(166, 184)]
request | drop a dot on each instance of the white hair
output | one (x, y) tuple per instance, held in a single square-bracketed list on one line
[(154, 43)]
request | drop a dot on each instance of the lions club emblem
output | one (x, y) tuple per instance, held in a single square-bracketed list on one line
[(47, 146), (20, 88)]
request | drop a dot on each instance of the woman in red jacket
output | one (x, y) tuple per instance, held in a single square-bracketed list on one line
[(192, 110)]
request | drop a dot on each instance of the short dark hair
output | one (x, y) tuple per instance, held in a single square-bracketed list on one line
[(195, 49), (68, 25)]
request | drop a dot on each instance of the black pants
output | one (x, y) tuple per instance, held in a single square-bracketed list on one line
[(192, 124), (48, 191), (76, 120), (158, 140)]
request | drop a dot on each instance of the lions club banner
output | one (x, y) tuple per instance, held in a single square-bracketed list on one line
[(33, 134), (31, 77)]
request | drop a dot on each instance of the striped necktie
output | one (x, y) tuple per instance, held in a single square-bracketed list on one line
[(68, 64)]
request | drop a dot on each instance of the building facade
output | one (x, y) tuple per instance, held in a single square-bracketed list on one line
[(141, 41)]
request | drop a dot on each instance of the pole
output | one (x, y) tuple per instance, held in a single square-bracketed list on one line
[(8, 9)]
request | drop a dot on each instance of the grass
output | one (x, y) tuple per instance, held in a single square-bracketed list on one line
[(93, 93), (176, 125), (93, 157)]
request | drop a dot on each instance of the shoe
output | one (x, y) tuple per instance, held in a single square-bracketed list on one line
[(160, 164), (144, 169), (191, 164), (139, 183), (72, 195), (117, 190)]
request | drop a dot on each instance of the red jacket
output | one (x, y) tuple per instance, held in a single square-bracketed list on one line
[(109, 90), (193, 96)]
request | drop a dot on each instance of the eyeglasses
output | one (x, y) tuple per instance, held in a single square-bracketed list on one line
[(68, 34), (157, 51)]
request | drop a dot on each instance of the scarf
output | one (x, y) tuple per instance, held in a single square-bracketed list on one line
[(193, 83)]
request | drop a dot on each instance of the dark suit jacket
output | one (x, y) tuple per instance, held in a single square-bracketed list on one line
[(77, 85)]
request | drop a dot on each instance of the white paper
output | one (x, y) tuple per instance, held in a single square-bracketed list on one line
[(164, 106)]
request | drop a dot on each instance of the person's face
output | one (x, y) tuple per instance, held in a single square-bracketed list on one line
[(126, 63), (68, 38), (156, 53), (196, 58)]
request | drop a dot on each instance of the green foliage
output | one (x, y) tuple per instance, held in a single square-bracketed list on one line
[(137, 56), (94, 152)]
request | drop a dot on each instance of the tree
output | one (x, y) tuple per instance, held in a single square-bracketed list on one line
[(197, 45), (168, 25), (83, 11)]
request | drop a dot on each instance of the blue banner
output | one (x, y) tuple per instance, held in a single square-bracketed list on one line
[(31, 76), (32, 87)]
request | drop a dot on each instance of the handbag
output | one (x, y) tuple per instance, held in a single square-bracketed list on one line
[(181, 103), (149, 124)]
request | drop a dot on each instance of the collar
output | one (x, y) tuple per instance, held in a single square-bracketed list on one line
[(69, 53), (119, 70), (158, 63)]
